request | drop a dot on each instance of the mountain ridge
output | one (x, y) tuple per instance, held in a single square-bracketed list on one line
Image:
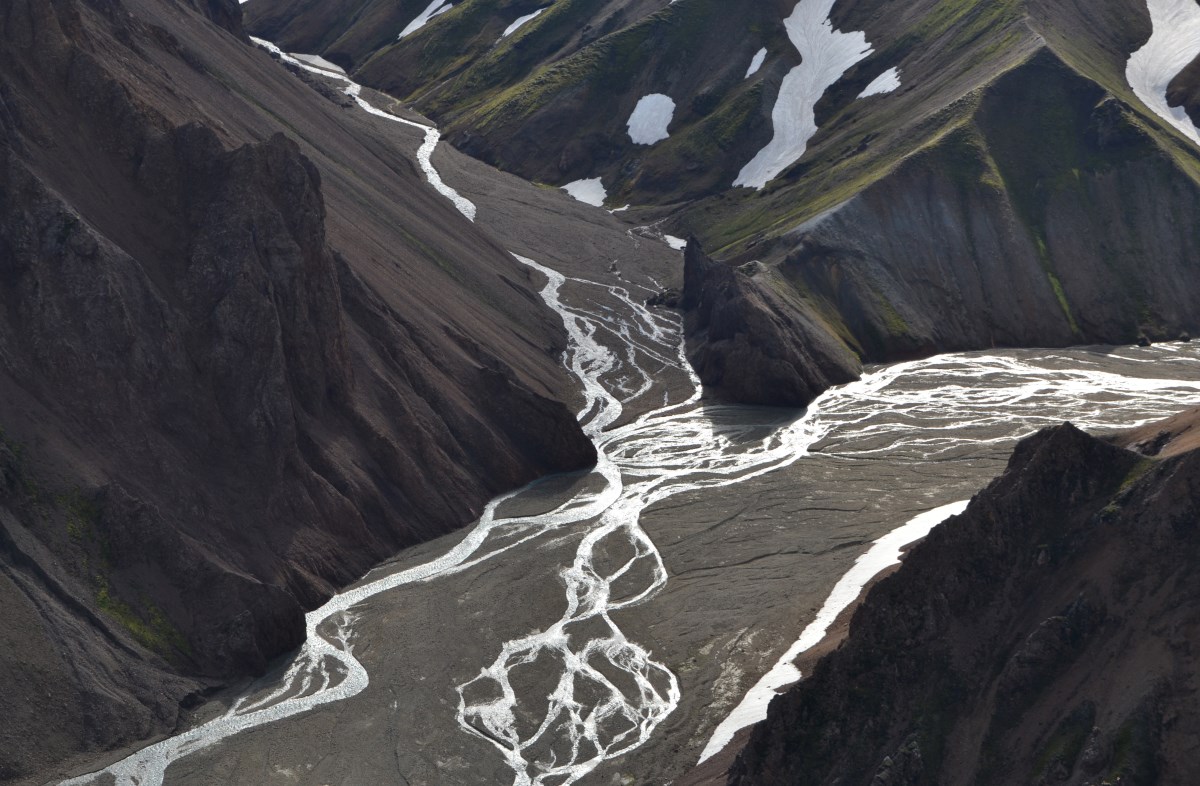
[(1047, 610), (1007, 255)]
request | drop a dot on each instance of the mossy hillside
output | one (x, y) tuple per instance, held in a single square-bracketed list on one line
[(610, 69), (510, 61), (459, 62), (463, 49), (71, 520), (346, 32), (592, 91), (947, 52), (741, 218), (1065, 743), (147, 624), (706, 150)]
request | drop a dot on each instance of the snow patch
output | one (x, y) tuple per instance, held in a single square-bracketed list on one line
[(826, 55), (435, 8), (1174, 43), (321, 63), (883, 554), (590, 191), (650, 118), (886, 82), (520, 21), (676, 243), (756, 62)]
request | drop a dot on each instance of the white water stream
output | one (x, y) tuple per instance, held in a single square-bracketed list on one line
[(432, 135), (610, 693)]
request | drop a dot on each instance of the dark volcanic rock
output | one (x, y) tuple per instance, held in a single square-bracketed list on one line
[(214, 408), (1040, 637), (746, 344), (1184, 90)]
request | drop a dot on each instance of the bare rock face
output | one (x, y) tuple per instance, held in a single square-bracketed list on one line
[(209, 418), (748, 345), (1184, 90), (1037, 638)]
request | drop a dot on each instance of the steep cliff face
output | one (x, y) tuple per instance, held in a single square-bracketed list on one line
[(748, 345), (213, 410), (1051, 218), (1040, 637), (1184, 90)]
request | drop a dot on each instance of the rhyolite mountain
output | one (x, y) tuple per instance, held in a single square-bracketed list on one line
[(1046, 635), (238, 367), (1012, 190)]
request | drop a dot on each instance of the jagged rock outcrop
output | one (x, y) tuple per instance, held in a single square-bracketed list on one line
[(747, 345), (1184, 91), (1040, 637), (219, 400)]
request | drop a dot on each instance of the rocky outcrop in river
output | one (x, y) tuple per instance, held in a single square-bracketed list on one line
[(1041, 637), (748, 344)]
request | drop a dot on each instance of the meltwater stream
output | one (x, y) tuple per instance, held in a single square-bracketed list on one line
[(655, 438), (610, 692)]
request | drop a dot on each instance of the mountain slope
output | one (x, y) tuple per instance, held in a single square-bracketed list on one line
[(1010, 190), (1040, 637), (237, 367)]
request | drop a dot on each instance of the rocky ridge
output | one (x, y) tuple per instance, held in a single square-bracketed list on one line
[(748, 343), (1040, 637)]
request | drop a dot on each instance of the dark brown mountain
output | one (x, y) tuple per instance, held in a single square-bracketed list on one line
[(238, 367), (1044, 636)]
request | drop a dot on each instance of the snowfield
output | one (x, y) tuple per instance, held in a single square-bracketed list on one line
[(590, 191), (886, 82), (521, 20), (883, 554), (827, 55), (650, 118), (435, 8), (1174, 43), (322, 63), (756, 62)]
